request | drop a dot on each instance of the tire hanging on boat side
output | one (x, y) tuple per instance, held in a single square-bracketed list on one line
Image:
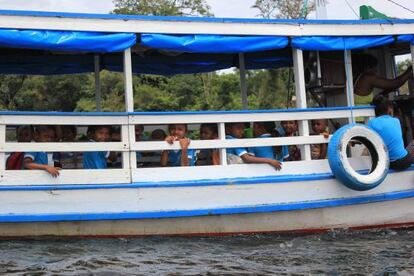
[(339, 162)]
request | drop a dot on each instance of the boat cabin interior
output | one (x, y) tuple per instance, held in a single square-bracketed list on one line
[(323, 67)]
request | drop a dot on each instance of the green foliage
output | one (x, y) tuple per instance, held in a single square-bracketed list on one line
[(162, 7), (291, 9)]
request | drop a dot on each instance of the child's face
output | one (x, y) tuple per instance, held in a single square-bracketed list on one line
[(139, 129), (68, 134), (178, 131), (318, 126), (46, 135), (237, 130), (289, 127), (102, 134), (24, 134), (206, 133), (258, 129)]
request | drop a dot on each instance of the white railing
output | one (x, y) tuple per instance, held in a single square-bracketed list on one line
[(128, 145)]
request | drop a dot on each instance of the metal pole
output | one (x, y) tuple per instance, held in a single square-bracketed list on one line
[(243, 85), (349, 83), (98, 95), (128, 87), (301, 98)]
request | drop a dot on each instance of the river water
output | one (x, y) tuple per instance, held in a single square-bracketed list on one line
[(380, 252)]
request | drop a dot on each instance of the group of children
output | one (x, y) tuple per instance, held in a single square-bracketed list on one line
[(53, 162)]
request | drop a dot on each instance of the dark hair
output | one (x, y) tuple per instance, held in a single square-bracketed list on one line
[(211, 126), (72, 128), (92, 129), (361, 62), (170, 125), (43, 128), (381, 104)]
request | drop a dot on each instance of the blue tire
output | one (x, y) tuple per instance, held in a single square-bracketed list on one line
[(339, 162)]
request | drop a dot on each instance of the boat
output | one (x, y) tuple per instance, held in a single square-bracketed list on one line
[(304, 196)]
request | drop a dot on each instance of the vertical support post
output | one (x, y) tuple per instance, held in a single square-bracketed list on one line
[(98, 95), (128, 157), (243, 85), (301, 98), (349, 83), (412, 55), (222, 137), (2, 144), (128, 86)]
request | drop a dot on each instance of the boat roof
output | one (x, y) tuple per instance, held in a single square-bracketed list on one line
[(200, 25)]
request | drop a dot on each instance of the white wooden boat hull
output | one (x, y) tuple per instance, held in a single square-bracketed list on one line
[(253, 204), (399, 213)]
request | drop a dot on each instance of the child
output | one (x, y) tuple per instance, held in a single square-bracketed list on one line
[(320, 127), (42, 160), (208, 156), (183, 157), (68, 160), (98, 159), (291, 128), (266, 130), (389, 128), (158, 135), (235, 131), (24, 134)]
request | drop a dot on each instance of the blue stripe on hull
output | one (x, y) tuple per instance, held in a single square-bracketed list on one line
[(8, 218), (274, 179)]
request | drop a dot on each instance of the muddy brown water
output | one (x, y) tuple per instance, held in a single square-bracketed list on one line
[(373, 252)]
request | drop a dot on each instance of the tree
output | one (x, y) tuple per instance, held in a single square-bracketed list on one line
[(162, 7), (9, 88), (290, 9)]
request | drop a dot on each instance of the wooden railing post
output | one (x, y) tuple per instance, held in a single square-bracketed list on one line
[(301, 99), (128, 132), (2, 144), (222, 137)]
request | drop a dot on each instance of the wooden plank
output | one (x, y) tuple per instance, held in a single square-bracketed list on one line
[(51, 119), (40, 177), (244, 117), (222, 137), (233, 143), (198, 27), (63, 147)]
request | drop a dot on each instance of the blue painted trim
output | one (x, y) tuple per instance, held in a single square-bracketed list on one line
[(304, 205), (166, 113), (175, 184), (203, 19), (274, 179)]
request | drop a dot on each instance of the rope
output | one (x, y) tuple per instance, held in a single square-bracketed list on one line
[(349, 5), (401, 6)]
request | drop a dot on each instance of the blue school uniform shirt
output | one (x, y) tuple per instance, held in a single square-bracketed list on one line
[(235, 151), (174, 157), (95, 159), (42, 158), (284, 154), (263, 152), (389, 128)]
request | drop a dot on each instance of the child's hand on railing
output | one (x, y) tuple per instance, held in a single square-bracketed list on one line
[(185, 142), (325, 134), (170, 139), (276, 164), (54, 171)]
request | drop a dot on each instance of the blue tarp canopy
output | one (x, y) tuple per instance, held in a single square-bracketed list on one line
[(223, 44), (67, 40), (334, 43), (64, 52)]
